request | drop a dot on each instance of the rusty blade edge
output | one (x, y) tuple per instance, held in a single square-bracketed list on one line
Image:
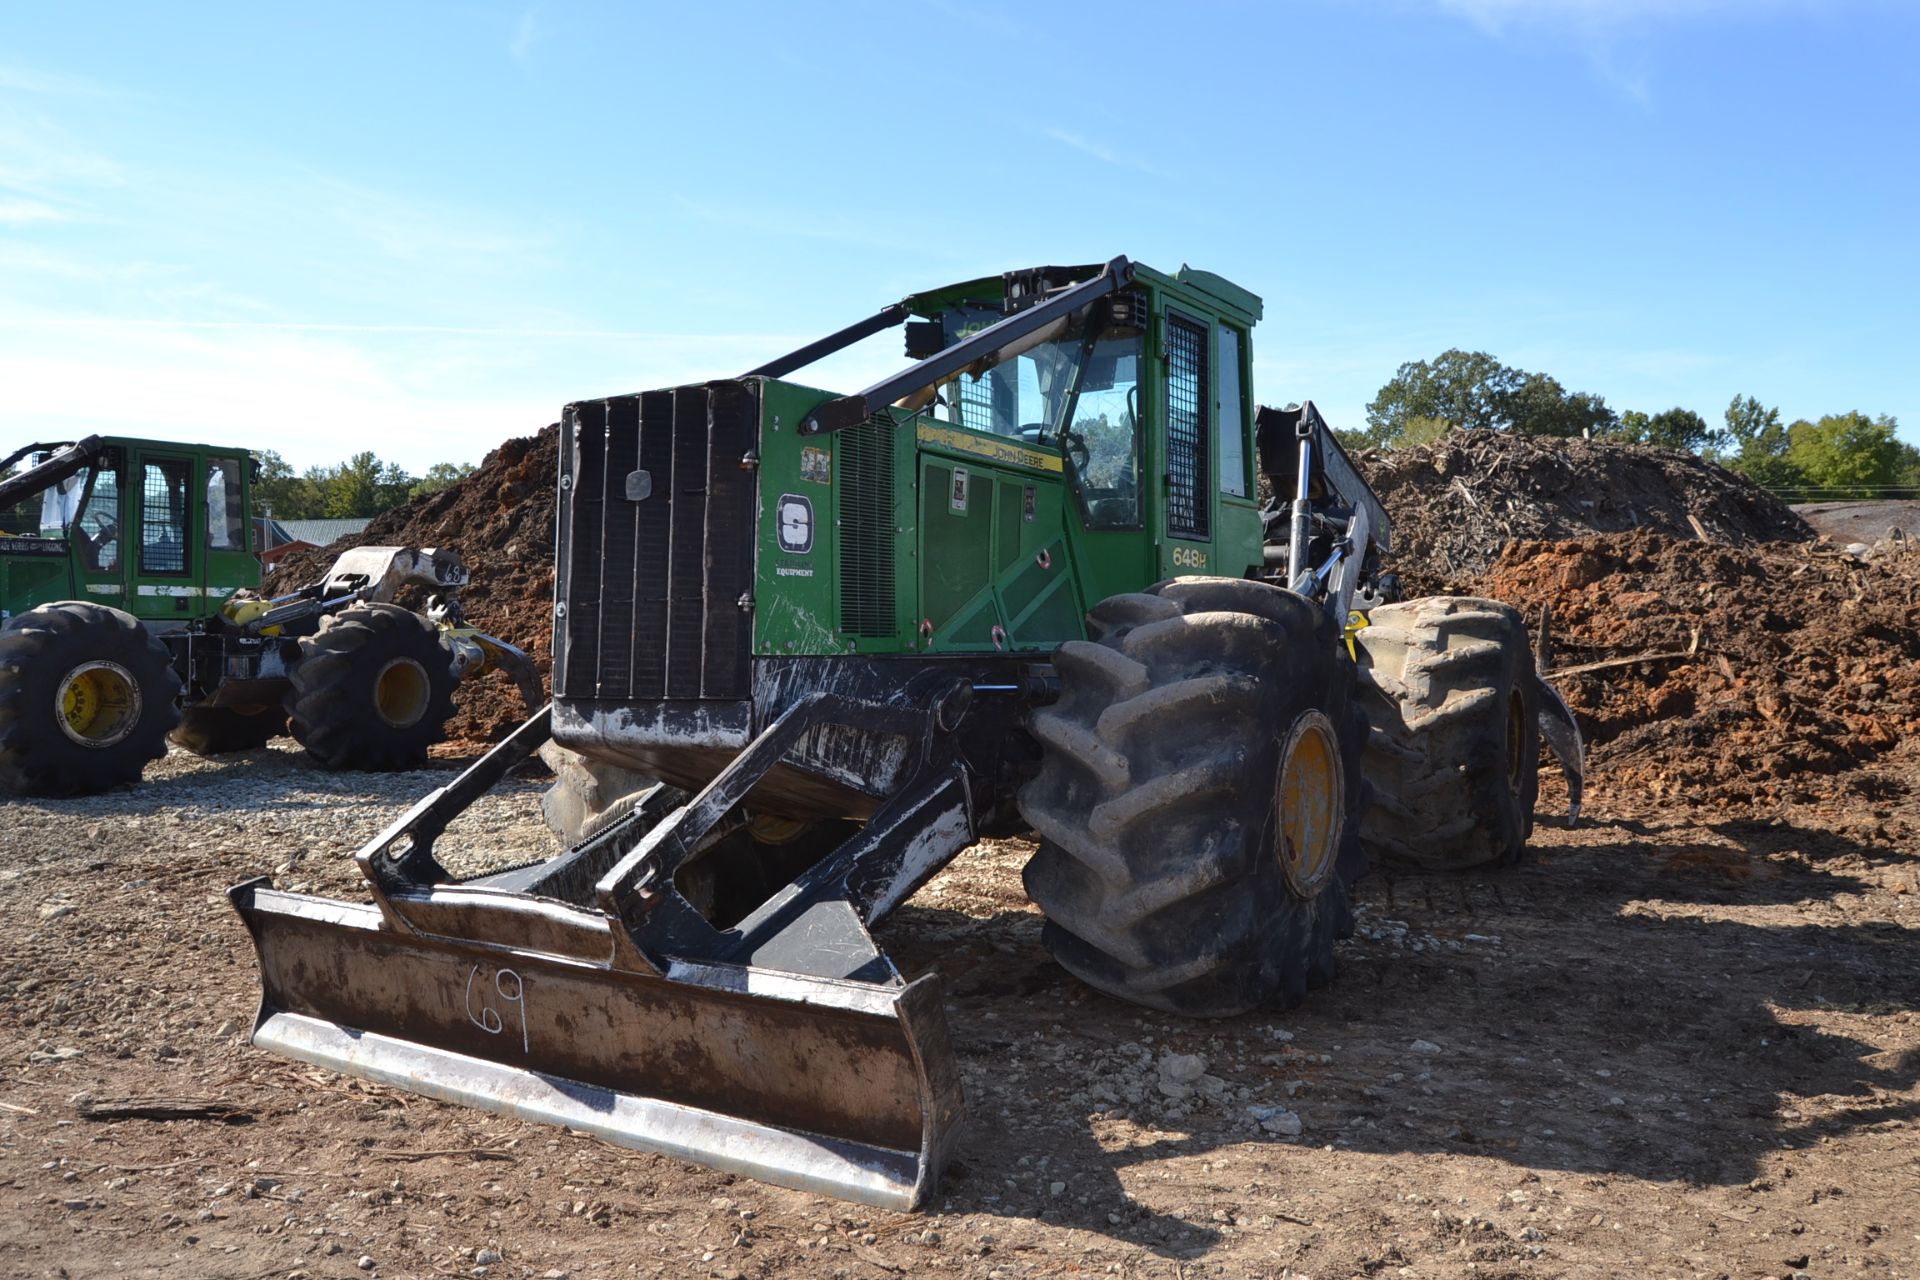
[(882, 1177)]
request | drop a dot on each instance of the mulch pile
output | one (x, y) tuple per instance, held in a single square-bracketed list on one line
[(1457, 502), (1774, 672), (500, 520), (1783, 665)]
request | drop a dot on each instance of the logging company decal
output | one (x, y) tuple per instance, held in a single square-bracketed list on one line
[(795, 515)]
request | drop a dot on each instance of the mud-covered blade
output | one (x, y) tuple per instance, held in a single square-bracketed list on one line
[(846, 1088)]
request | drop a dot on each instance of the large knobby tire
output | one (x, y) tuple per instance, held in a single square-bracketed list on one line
[(218, 731), (588, 795), (372, 690), (1454, 751), (1198, 800), (87, 697)]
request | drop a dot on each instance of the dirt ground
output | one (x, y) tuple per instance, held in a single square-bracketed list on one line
[(1867, 522), (1674, 1043)]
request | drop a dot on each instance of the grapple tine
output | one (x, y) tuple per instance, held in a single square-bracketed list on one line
[(841, 1087)]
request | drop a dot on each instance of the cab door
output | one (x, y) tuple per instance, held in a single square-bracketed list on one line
[(100, 533), (168, 572)]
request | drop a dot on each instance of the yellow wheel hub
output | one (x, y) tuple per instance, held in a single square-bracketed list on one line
[(98, 703), (769, 830), (1310, 789), (401, 693)]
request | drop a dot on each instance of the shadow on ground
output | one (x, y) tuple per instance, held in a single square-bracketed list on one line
[(1622, 1005)]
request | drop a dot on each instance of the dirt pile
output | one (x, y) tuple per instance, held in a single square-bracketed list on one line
[(1456, 502), (1767, 673), (500, 519)]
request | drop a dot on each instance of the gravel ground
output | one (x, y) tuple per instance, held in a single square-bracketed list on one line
[(1674, 1043)]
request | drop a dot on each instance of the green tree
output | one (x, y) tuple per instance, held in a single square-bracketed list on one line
[(1848, 454), (1675, 428), (1755, 445), (1540, 406), (280, 491), (361, 486), (1460, 388), (1472, 389), (441, 475)]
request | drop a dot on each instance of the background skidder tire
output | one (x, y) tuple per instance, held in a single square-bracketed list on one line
[(216, 731), (1454, 751), (87, 697), (1199, 796), (372, 690)]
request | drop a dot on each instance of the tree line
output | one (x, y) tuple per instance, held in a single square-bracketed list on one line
[(359, 487), (1840, 455)]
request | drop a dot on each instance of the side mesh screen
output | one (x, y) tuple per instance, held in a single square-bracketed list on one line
[(867, 528), (1188, 465)]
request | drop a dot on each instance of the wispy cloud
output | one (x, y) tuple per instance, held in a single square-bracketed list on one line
[(40, 320), (414, 394), (836, 228), (27, 80), (1607, 31), (411, 230), (986, 20), (1099, 151), (1498, 16), (38, 156), (20, 213), (525, 33)]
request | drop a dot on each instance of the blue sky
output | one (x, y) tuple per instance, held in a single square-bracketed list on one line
[(420, 229)]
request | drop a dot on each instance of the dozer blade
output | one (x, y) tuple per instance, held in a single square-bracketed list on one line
[(834, 1086), (587, 991)]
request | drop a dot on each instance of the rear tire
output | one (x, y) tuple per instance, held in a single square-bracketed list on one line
[(1199, 798), (87, 697), (372, 690), (218, 731), (1454, 750)]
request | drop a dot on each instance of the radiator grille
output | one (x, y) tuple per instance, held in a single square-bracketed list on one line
[(1188, 396), (867, 528), (652, 589)]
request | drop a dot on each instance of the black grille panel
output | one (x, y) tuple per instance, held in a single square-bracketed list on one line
[(867, 524), (1189, 397), (652, 589)]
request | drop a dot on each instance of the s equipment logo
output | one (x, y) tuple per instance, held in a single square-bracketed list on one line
[(795, 515)]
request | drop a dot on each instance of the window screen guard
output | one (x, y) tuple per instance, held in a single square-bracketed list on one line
[(163, 516), (1189, 398)]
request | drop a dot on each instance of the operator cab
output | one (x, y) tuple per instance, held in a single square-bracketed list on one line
[(1076, 392), (137, 524)]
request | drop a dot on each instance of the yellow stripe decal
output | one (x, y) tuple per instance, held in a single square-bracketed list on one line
[(992, 448)]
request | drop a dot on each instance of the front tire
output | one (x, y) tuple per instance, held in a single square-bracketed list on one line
[(372, 690), (1454, 752), (87, 698), (1198, 798)]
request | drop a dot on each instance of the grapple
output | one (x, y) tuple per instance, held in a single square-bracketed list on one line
[(587, 991)]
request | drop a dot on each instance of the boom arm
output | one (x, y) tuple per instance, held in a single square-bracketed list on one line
[(988, 347), (55, 469)]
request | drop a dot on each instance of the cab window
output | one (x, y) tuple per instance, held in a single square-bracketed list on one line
[(99, 523), (163, 515), (1233, 416), (226, 516)]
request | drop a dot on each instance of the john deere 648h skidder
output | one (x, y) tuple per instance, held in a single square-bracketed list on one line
[(1028, 584)]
